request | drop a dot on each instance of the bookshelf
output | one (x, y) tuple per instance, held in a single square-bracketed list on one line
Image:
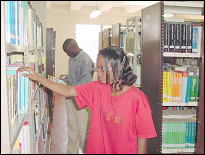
[(50, 65), (118, 35), (22, 44), (154, 58), (106, 37), (133, 46)]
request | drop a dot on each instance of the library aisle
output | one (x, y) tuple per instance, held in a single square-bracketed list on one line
[(58, 127)]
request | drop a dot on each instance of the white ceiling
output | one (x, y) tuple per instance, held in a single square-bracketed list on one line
[(104, 6)]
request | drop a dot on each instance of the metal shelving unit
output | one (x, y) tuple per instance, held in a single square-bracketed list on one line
[(9, 134), (133, 46)]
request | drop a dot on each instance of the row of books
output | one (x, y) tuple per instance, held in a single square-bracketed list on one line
[(39, 108), (40, 124), (178, 133), (178, 86), (22, 144), (183, 38), (22, 28), (18, 91)]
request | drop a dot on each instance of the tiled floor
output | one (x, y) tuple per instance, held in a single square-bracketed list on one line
[(58, 128)]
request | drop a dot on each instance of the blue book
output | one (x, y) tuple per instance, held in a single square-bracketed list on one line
[(8, 29), (10, 21), (21, 94), (196, 39), (24, 93), (25, 29), (193, 134), (14, 22), (26, 87), (188, 89), (17, 21)]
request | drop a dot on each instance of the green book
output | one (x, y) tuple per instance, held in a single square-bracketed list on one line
[(194, 89)]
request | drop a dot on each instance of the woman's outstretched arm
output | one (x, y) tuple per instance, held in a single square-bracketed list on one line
[(61, 89)]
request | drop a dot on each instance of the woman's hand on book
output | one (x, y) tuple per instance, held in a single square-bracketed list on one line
[(32, 74)]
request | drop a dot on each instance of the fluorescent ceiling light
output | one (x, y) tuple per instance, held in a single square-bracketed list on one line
[(95, 13), (143, 3)]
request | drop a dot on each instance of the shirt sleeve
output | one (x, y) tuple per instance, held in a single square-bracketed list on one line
[(86, 72), (85, 95), (144, 122)]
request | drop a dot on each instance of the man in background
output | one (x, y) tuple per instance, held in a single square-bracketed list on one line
[(81, 68)]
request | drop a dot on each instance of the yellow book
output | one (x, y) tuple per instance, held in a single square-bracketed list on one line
[(165, 80), (16, 145), (169, 86), (174, 82), (179, 78)]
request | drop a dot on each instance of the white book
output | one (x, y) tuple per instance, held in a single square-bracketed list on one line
[(183, 88)]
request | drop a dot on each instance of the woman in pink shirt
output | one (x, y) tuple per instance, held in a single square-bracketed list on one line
[(121, 120)]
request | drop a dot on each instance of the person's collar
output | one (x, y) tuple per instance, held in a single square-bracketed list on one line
[(79, 55)]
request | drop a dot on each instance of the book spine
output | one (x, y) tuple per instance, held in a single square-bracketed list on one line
[(169, 135), (183, 134), (196, 39), (172, 37), (183, 88), (183, 38), (26, 87), (194, 135), (195, 89), (188, 89), (22, 94), (177, 38), (165, 88), (11, 22), (179, 86), (163, 135), (170, 86), (187, 135), (8, 23), (189, 38), (174, 87), (166, 37), (14, 23)]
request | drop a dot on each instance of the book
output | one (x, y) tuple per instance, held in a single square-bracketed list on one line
[(177, 38), (174, 87), (178, 133), (196, 38), (194, 89), (183, 88), (24, 139), (183, 38), (188, 89), (178, 89), (166, 37), (171, 37), (189, 38), (165, 88), (170, 86)]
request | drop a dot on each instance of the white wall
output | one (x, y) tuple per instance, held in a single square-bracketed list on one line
[(63, 21)]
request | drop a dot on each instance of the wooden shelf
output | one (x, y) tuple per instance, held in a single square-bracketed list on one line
[(183, 150), (180, 104), (174, 54)]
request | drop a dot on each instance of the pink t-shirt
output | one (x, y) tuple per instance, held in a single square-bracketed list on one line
[(116, 121)]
